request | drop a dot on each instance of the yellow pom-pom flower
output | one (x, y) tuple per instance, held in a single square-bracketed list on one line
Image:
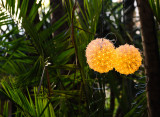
[(100, 55), (128, 59)]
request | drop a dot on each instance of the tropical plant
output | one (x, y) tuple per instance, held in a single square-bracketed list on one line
[(39, 107), (47, 71), (27, 61)]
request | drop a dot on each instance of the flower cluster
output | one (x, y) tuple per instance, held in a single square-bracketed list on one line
[(103, 57), (127, 60), (100, 55)]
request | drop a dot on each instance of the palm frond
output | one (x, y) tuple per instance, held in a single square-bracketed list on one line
[(41, 107), (155, 5)]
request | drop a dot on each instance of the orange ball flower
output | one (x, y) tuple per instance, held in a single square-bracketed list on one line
[(128, 59), (100, 55)]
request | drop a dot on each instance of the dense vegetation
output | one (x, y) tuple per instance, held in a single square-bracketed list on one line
[(43, 65)]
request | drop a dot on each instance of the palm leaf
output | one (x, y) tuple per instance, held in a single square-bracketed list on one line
[(155, 5), (41, 107)]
